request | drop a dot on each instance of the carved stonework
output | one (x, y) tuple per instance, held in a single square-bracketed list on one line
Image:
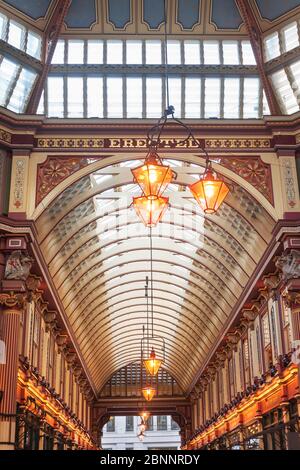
[(18, 266), (290, 184), (289, 265), (5, 136), (253, 170), (54, 171), (12, 300), (19, 185)]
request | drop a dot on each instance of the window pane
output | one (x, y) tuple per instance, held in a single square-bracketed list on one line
[(95, 52), (295, 69), (192, 52), (133, 52), (41, 108), (174, 54), (114, 97), (8, 71), (21, 91), (266, 109), (59, 53), (75, 51), (3, 26), (75, 97), (153, 97), (231, 98), (272, 48), (290, 37), (55, 90), (162, 424), (211, 52), (230, 52), (95, 97), (114, 52), (34, 43), (251, 98), (134, 97), (212, 97), (247, 53), (16, 35), (153, 52), (192, 98), (284, 91), (175, 95)]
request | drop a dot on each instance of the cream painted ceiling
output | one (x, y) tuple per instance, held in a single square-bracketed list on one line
[(98, 254)]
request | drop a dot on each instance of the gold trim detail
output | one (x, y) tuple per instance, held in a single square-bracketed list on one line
[(120, 143)]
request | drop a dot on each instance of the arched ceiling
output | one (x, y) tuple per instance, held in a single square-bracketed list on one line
[(146, 16), (98, 254)]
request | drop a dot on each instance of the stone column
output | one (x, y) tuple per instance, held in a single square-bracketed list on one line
[(10, 324)]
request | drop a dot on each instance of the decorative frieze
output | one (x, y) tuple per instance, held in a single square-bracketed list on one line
[(94, 142)]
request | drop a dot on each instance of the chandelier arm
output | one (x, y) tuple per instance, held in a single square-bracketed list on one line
[(157, 129)]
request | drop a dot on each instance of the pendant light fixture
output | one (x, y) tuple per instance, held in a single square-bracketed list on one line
[(153, 176), (149, 210), (210, 191), (145, 415), (148, 392), (152, 364)]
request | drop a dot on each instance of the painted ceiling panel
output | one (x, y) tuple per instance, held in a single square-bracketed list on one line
[(153, 13), (188, 13), (82, 14), (33, 8), (119, 12), (271, 10), (225, 14)]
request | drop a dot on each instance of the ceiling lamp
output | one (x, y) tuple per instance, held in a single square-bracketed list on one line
[(150, 211), (141, 436), (153, 177), (145, 416), (142, 427), (148, 392), (152, 364), (210, 191)]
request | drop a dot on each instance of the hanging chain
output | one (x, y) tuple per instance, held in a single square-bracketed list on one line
[(151, 280)]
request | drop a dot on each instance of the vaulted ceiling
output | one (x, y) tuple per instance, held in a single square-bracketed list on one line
[(130, 17), (98, 254)]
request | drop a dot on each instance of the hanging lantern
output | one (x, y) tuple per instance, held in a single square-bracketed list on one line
[(209, 191), (153, 177), (148, 393), (142, 427), (150, 211), (145, 416), (141, 436), (152, 364)]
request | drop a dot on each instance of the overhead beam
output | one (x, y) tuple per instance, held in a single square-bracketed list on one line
[(254, 34), (51, 36)]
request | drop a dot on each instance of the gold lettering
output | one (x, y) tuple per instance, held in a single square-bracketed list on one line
[(127, 143), (114, 143), (141, 143)]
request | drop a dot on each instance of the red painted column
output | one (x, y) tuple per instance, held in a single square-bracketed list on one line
[(10, 324)]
